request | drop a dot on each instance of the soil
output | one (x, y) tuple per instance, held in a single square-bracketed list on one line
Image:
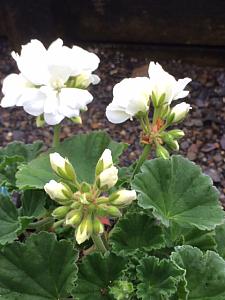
[(204, 142)]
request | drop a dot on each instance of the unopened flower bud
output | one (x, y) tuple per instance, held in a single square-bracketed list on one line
[(176, 133), (108, 210), (98, 227), (58, 190), (84, 230), (40, 121), (74, 217), (76, 120), (162, 152), (60, 212), (85, 187), (108, 178), (123, 197), (62, 166), (104, 162), (179, 112), (170, 141)]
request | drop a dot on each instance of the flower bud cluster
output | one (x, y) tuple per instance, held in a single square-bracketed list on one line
[(85, 206)]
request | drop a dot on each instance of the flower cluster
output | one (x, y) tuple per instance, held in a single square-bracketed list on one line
[(132, 97), (82, 205), (52, 82)]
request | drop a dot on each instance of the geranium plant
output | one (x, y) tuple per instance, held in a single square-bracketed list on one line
[(74, 224)]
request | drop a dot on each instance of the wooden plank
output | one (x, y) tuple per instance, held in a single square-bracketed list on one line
[(179, 22)]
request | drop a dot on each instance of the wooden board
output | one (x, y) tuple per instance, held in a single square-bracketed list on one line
[(176, 22)]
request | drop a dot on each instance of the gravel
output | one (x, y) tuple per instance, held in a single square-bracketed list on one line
[(204, 128)]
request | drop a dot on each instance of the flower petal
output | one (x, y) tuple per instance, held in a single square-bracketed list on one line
[(32, 62), (53, 119)]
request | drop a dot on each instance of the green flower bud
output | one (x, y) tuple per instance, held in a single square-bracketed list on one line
[(170, 142), (40, 122), (60, 212), (98, 227), (74, 217), (162, 152), (176, 133), (75, 205), (76, 120), (85, 187), (108, 210)]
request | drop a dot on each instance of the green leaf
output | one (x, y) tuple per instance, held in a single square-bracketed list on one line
[(96, 274), (10, 224), (83, 151), (14, 155), (134, 232), (26, 151), (33, 202), (41, 269), (220, 239), (204, 273), (177, 235), (178, 192), (159, 279)]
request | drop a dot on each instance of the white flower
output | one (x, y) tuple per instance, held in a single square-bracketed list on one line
[(44, 84), (62, 166), (57, 190), (108, 178), (164, 83), (130, 96), (180, 111), (123, 197)]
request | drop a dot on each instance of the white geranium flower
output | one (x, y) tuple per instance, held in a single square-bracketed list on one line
[(130, 96), (44, 86), (164, 83)]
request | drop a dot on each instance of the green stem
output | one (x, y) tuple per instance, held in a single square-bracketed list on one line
[(41, 223), (98, 243), (56, 136), (141, 160)]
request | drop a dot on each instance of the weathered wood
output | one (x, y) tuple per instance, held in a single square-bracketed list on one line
[(181, 22)]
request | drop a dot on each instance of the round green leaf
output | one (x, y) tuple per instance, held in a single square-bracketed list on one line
[(41, 269), (136, 231), (96, 274), (159, 279), (220, 239), (10, 224), (204, 273), (83, 151), (178, 192)]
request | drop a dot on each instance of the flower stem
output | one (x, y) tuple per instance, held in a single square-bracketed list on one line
[(142, 159), (41, 223), (56, 136), (98, 243)]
